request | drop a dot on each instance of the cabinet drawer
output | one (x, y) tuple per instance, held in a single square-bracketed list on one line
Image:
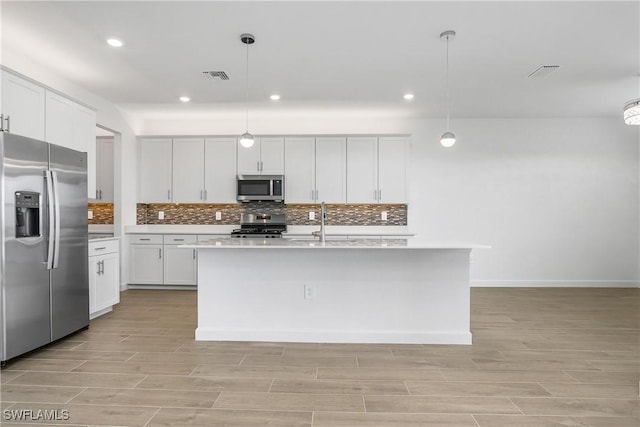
[(103, 247), (179, 239), (146, 239)]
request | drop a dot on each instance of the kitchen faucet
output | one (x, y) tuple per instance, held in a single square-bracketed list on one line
[(323, 215)]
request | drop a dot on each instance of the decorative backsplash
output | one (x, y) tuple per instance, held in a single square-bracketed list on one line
[(102, 213), (297, 214)]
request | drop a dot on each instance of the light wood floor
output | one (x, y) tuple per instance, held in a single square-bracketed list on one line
[(541, 357)]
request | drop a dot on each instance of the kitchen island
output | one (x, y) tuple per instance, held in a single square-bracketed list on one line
[(342, 291)]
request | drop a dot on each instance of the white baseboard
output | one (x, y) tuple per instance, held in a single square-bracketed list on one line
[(555, 284), (164, 287), (124, 287), (342, 337)]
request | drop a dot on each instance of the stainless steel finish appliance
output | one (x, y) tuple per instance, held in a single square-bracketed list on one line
[(44, 280), (260, 188), (263, 226)]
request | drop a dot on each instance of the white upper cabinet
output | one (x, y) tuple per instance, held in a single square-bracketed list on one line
[(155, 170), (220, 170), (300, 170), (84, 139), (38, 113), (104, 169), (188, 170), (331, 169), (362, 169), (393, 153), (72, 125), (23, 103), (376, 169), (271, 155), (315, 169), (59, 122), (265, 157)]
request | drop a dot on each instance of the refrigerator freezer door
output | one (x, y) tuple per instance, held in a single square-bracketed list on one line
[(69, 277), (23, 271)]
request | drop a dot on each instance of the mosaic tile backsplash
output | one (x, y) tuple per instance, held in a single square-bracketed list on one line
[(102, 213), (297, 214)]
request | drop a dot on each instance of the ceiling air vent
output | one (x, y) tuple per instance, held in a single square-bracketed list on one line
[(215, 75), (543, 71)]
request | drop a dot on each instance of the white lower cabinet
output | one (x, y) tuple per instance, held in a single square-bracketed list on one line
[(104, 276), (180, 265), (156, 259)]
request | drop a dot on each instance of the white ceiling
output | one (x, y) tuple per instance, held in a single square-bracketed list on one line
[(358, 57)]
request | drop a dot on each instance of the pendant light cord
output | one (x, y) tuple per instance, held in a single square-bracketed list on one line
[(447, 83), (247, 92)]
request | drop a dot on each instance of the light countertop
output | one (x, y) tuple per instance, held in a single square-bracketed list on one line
[(101, 238), (253, 243)]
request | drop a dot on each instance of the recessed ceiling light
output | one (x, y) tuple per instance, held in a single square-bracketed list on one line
[(275, 97), (185, 99), (114, 42), (408, 96)]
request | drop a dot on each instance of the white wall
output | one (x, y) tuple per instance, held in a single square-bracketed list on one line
[(557, 199)]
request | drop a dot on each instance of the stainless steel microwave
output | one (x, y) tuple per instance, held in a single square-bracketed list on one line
[(260, 188)]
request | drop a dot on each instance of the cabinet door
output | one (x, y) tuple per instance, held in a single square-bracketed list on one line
[(272, 156), (362, 169), (59, 121), (392, 169), (104, 166), (84, 139), (220, 170), (146, 264), (300, 169), (188, 170), (107, 282), (23, 102), (331, 172), (180, 266), (249, 159), (155, 170), (94, 277)]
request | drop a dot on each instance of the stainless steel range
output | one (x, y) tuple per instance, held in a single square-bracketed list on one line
[(261, 226)]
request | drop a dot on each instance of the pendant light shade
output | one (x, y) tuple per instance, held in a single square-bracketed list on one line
[(448, 139), (632, 112), (246, 139)]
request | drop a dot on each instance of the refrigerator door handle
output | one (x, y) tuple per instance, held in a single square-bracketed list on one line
[(56, 249), (50, 218)]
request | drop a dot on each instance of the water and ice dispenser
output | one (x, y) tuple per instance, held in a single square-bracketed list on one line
[(27, 214)]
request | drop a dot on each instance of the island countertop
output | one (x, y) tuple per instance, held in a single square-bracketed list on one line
[(363, 243)]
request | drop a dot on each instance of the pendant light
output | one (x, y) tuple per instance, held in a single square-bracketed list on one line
[(632, 112), (448, 138), (246, 139)]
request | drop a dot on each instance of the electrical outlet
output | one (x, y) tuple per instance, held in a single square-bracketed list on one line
[(309, 292), (383, 215), (312, 215), (160, 214), (218, 215), (89, 214)]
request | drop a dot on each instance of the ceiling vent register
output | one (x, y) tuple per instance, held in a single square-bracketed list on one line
[(215, 75)]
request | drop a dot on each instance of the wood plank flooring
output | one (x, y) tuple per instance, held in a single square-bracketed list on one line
[(540, 357)]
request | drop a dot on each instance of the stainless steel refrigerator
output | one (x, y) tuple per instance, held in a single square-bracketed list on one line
[(43, 257)]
